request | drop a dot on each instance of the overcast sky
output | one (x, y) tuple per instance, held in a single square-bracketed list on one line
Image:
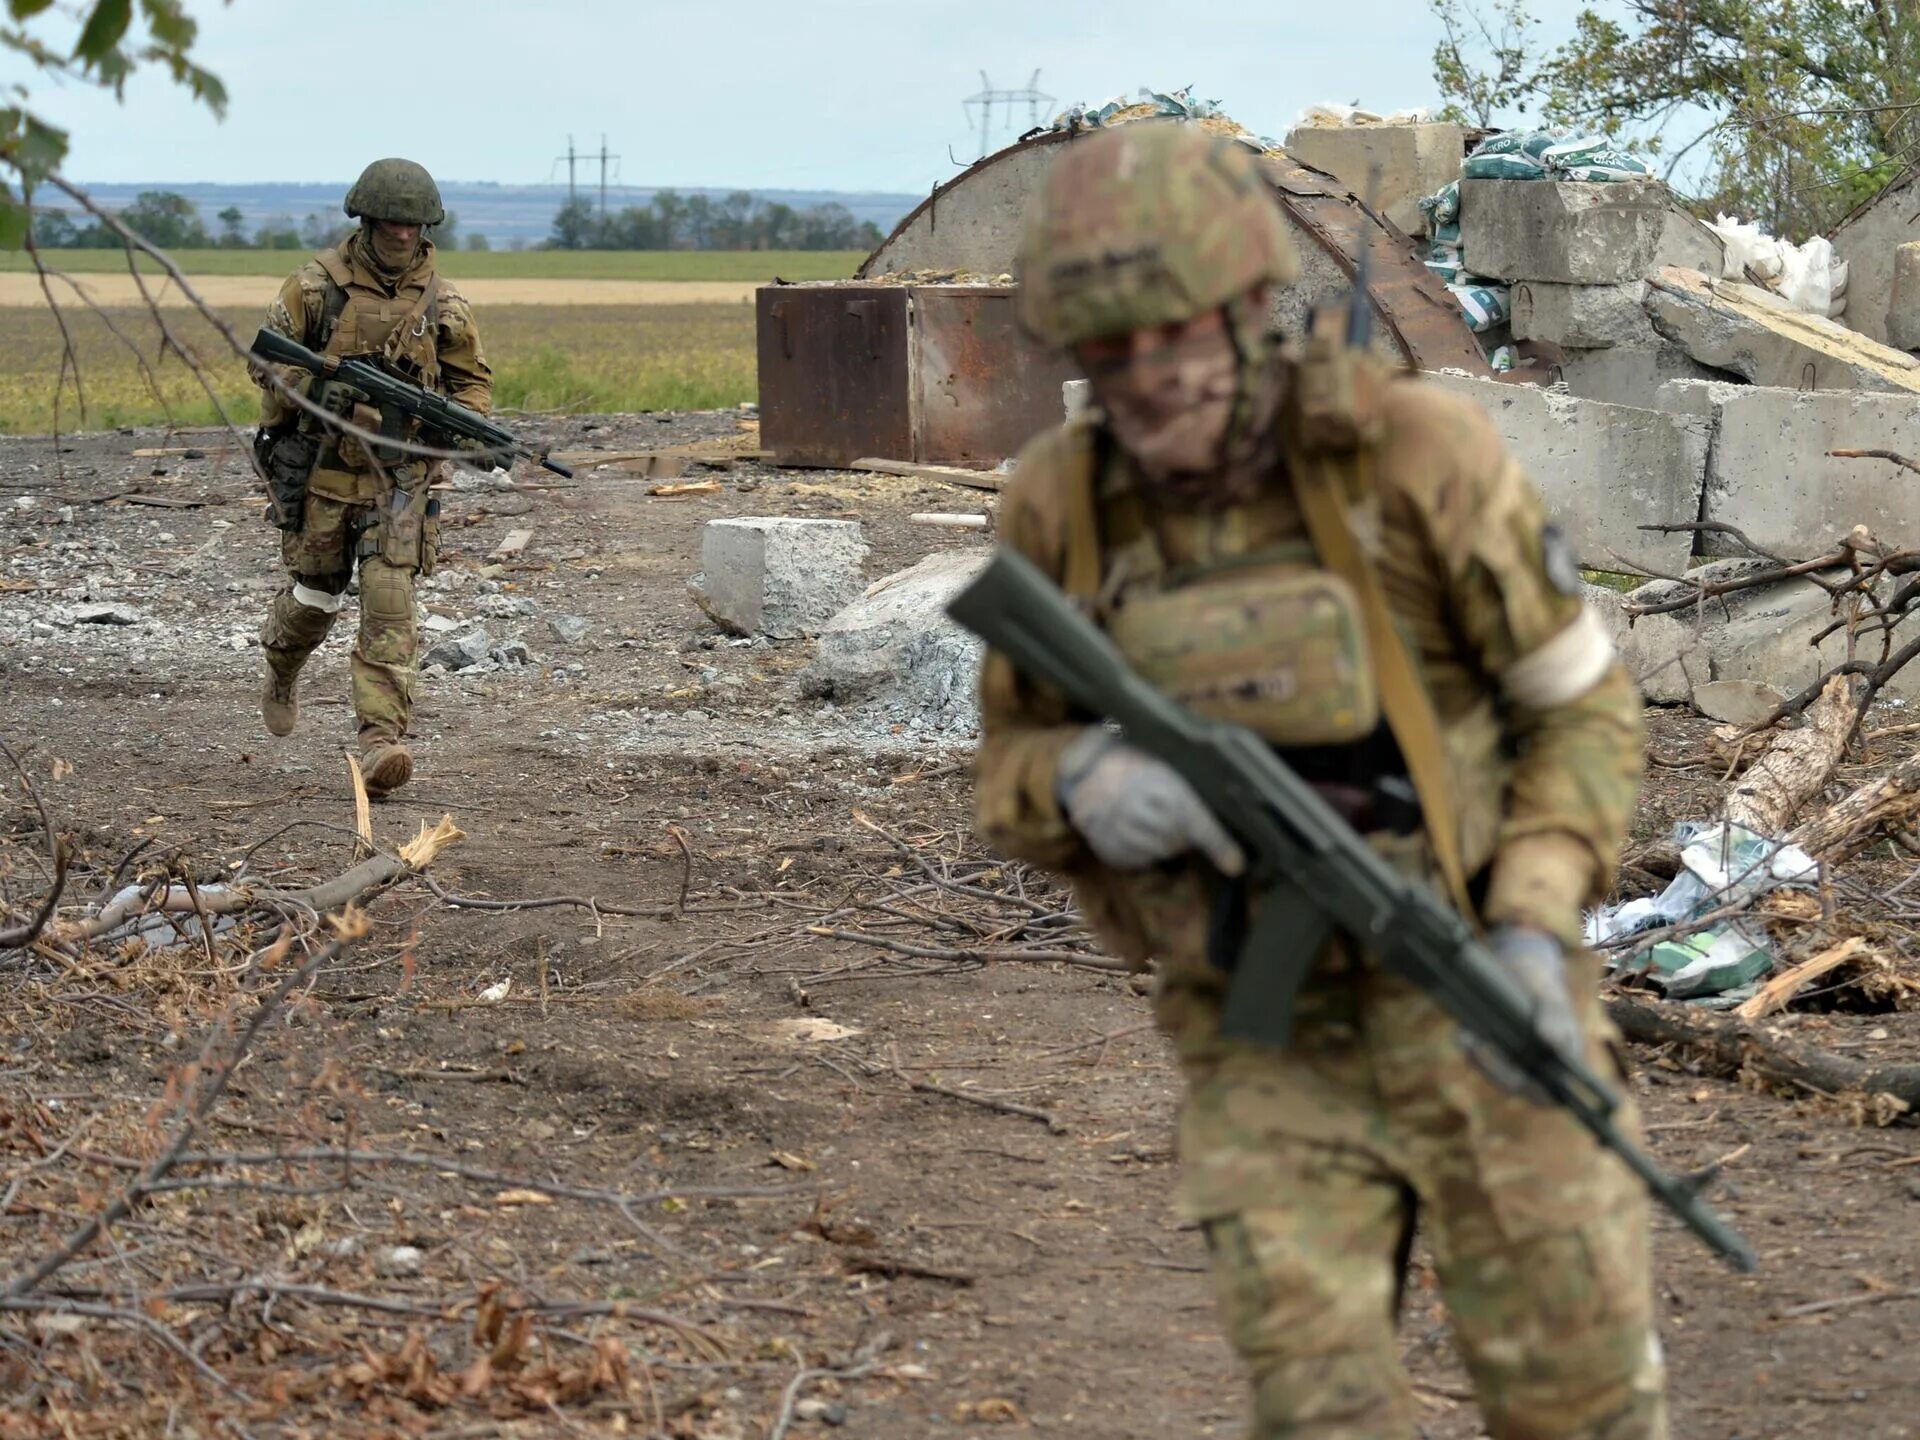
[(832, 94)]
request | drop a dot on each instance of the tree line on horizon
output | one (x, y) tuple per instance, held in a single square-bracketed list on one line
[(670, 221), (738, 220)]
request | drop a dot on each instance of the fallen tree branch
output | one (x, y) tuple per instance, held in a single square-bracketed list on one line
[(1851, 824), (1797, 764), (975, 957), (20, 937), (1734, 1045)]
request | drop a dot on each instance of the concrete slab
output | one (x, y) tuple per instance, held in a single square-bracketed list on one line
[(1688, 244), (1751, 332), (1771, 476), (1666, 658), (777, 575), (1869, 241), (1413, 160), (1570, 233), (1766, 640), (1603, 470), (1585, 317), (1634, 374)]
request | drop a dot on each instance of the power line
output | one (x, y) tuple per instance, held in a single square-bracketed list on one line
[(989, 97), (604, 157)]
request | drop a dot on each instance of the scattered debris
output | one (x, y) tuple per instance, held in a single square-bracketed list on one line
[(775, 576), (568, 629), (462, 653), (515, 543)]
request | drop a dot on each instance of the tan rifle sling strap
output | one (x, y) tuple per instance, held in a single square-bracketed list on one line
[(1403, 696)]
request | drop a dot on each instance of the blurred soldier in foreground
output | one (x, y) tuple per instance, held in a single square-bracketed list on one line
[(1346, 562), (337, 505)]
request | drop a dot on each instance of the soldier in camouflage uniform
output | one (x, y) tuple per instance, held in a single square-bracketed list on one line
[(1188, 513), (375, 295)]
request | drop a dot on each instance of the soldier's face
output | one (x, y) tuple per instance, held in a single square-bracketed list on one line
[(1168, 392), (394, 242)]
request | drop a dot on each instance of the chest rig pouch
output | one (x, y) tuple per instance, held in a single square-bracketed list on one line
[(399, 331), (1280, 648)]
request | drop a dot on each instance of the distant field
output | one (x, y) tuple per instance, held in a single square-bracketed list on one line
[(547, 358), (753, 266)]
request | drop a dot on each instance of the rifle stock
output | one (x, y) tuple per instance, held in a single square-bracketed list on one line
[(1311, 870)]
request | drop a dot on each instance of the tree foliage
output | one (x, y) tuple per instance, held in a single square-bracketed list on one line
[(1486, 60), (1810, 106), (736, 221), (1790, 112), (108, 48)]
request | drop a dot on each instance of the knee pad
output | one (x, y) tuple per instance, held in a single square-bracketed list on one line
[(386, 593)]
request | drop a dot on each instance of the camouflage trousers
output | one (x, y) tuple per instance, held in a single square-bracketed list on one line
[(320, 560), (1307, 1168)]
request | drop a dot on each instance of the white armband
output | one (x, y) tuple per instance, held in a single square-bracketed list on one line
[(1563, 669)]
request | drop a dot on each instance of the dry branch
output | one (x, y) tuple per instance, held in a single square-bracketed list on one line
[(1735, 1045), (1885, 803), (1775, 994), (1797, 764)]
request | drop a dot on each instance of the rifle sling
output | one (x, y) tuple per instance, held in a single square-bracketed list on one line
[(1403, 696)]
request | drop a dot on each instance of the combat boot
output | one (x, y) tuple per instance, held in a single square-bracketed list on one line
[(385, 765), (279, 705)]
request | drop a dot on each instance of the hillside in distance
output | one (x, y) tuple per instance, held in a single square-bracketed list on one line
[(503, 213)]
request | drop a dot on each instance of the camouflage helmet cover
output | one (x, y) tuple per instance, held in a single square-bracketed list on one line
[(397, 190), (1150, 223)]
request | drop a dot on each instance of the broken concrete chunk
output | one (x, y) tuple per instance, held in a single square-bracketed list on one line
[(462, 652), (1568, 232), (1737, 702), (1753, 333), (1586, 317), (1634, 374), (1409, 161), (1688, 244), (1903, 309), (895, 644), (1603, 470), (568, 629), (108, 613), (1663, 654), (514, 652), (778, 576)]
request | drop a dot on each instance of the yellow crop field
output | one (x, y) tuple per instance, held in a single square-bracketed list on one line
[(547, 358)]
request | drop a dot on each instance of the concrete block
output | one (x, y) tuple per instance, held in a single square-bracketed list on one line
[(1903, 306), (1771, 476), (894, 646), (778, 576), (1753, 333), (1688, 244), (1766, 639), (1663, 654), (1870, 242), (1413, 160), (1585, 317), (1571, 233), (1634, 374), (1075, 396), (1603, 470)]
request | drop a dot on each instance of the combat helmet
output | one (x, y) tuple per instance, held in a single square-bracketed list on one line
[(1150, 223), (397, 190)]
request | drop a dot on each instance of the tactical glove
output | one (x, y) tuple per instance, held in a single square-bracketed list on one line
[(1134, 810), (1537, 964), (336, 396)]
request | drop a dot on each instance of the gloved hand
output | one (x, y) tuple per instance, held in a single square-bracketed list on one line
[(1135, 811), (336, 396), (1537, 963)]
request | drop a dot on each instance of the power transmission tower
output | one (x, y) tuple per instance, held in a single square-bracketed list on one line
[(570, 157), (604, 157), (989, 97)]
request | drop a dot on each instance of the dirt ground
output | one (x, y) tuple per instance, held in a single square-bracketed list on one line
[(967, 1270)]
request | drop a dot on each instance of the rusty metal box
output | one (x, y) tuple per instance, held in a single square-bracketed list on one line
[(940, 374)]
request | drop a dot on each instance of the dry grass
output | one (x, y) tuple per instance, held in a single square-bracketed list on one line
[(576, 358)]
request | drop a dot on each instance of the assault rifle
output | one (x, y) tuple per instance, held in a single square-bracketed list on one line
[(443, 424), (1312, 872)]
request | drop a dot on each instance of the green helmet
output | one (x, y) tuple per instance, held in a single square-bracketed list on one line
[(397, 190), (1149, 223)]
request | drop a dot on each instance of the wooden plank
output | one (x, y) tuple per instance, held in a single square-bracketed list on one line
[(516, 542), (692, 487), (952, 474), (1775, 994)]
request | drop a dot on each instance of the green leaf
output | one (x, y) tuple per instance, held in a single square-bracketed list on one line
[(14, 219), (27, 9), (169, 24), (39, 151), (104, 30)]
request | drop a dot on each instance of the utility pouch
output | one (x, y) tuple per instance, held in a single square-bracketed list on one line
[(430, 538), (402, 528), (286, 459)]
